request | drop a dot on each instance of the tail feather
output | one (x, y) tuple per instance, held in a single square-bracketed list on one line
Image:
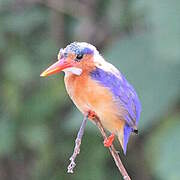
[(123, 136)]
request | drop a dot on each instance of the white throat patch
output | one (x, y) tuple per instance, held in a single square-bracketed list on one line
[(73, 70)]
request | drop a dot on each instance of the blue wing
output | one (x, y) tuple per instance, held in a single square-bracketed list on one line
[(124, 94)]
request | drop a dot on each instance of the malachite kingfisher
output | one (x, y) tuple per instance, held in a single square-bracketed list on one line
[(94, 85)]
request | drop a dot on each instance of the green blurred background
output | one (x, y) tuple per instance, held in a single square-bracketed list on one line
[(38, 121)]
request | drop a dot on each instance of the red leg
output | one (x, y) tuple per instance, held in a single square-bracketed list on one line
[(108, 142)]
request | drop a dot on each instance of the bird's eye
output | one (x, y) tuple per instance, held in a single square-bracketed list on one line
[(79, 57)]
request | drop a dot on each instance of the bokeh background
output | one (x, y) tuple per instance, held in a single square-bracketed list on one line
[(38, 121)]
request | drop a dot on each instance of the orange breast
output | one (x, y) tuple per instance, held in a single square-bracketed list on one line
[(87, 95)]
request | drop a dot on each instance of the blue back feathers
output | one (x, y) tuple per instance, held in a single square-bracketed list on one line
[(122, 91), (125, 96)]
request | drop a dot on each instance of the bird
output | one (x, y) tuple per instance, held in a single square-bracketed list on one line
[(97, 87)]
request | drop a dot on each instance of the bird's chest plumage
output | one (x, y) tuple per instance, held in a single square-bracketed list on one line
[(87, 95), (85, 92)]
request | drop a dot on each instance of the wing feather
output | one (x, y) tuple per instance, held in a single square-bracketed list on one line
[(124, 94)]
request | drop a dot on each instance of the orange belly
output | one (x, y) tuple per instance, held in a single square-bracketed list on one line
[(89, 95)]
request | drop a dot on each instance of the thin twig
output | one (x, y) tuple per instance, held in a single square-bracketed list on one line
[(77, 145), (112, 149), (114, 153)]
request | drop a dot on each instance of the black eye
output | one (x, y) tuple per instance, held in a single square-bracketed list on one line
[(79, 57)]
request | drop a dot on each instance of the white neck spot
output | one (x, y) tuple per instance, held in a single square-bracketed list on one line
[(73, 70)]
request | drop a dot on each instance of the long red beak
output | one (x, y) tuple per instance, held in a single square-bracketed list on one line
[(56, 67)]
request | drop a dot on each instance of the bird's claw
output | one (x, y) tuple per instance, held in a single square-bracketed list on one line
[(109, 140), (92, 115)]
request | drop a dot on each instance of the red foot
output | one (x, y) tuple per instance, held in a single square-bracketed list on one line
[(91, 115), (108, 142)]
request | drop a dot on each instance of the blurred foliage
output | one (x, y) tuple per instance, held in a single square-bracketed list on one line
[(165, 149), (38, 122)]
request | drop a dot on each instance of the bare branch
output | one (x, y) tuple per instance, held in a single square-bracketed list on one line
[(114, 153), (77, 145), (112, 149)]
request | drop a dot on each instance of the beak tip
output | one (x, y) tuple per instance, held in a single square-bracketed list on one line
[(55, 68), (42, 74)]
